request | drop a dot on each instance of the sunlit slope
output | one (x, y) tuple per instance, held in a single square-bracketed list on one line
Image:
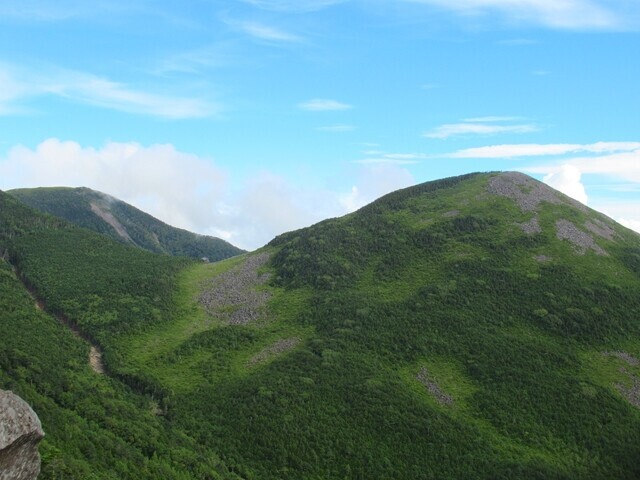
[(112, 217), (482, 326)]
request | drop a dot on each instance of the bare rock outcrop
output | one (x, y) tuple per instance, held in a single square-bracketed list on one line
[(432, 387), (20, 433), (531, 227), (601, 229)]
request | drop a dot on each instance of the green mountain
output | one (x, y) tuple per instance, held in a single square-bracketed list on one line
[(119, 220), (483, 326)]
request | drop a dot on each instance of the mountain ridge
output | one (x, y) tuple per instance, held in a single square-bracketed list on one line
[(110, 216)]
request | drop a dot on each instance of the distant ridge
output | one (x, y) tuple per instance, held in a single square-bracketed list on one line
[(123, 222)]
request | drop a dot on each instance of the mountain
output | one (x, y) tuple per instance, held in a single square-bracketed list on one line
[(107, 215), (477, 327)]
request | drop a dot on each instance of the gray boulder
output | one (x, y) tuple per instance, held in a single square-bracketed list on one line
[(20, 433)]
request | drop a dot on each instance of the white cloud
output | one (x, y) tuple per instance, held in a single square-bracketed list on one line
[(19, 86), (478, 127), (630, 223), (265, 32), (626, 213), (373, 182), (323, 104), (190, 192), (567, 179), (556, 14), (537, 150), (337, 128), (171, 185), (566, 174), (622, 166)]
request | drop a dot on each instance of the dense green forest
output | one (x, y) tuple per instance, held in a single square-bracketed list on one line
[(96, 426), (482, 326), (112, 217)]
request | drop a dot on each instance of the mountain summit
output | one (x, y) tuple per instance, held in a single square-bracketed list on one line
[(476, 327)]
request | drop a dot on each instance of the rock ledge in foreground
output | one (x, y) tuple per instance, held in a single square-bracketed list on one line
[(20, 434)]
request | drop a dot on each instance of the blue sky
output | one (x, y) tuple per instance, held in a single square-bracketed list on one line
[(248, 118)]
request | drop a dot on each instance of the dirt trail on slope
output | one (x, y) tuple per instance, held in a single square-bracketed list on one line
[(95, 360), (95, 354)]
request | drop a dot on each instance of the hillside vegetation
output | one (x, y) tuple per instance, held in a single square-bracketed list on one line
[(112, 217), (96, 426), (483, 326)]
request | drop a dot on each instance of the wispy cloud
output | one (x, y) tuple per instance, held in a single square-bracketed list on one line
[(480, 126), (555, 14), (539, 150), (385, 161), (265, 32), (336, 128), (295, 6), (622, 165), (518, 42), (198, 60), (46, 11), (19, 86), (492, 119), (376, 157), (323, 104), (40, 10)]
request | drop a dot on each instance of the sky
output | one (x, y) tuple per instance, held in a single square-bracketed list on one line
[(245, 119)]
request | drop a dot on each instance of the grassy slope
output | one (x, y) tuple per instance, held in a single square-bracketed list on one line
[(460, 295), (147, 232)]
